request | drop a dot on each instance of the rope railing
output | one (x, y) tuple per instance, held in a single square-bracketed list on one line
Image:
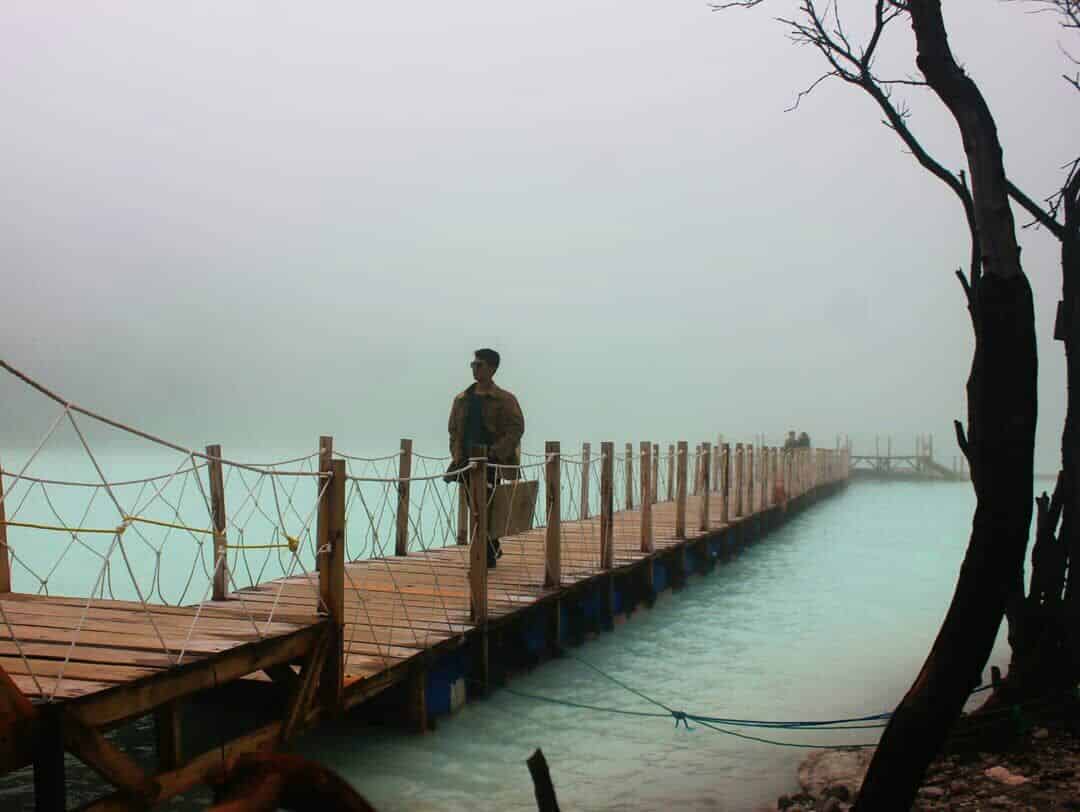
[(213, 531)]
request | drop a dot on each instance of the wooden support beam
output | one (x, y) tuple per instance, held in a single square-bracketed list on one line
[(217, 509), (128, 700), (196, 771), (50, 781), (706, 489), (17, 719), (106, 759), (478, 536), (401, 543), (629, 476), (647, 542), (303, 692), (417, 699), (168, 735), (586, 449), (553, 502), (680, 490), (5, 553), (332, 586), (607, 505)]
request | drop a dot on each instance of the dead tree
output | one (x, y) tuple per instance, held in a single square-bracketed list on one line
[(1000, 436), (1000, 442)]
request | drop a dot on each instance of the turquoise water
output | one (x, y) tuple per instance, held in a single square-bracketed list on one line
[(829, 616)]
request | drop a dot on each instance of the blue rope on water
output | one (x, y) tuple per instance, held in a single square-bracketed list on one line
[(870, 721)]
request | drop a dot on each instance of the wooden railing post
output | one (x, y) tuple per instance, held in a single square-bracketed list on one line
[(585, 451), (401, 547), (655, 473), (725, 489), (671, 472), (322, 517), (706, 489), (5, 553), (607, 505), (332, 588), (680, 490), (647, 544), (629, 476), (695, 487), (751, 473), (738, 480), (463, 514), (553, 536), (478, 535), (219, 517)]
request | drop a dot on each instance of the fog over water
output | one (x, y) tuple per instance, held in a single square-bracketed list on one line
[(252, 223)]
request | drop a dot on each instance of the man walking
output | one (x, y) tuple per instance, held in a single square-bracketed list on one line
[(487, 415)]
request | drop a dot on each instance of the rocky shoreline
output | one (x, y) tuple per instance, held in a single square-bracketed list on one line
[(1042, 772)]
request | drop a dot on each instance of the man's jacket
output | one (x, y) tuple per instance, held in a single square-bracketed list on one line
[(504, 422)]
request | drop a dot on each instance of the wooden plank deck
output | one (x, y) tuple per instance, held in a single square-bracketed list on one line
[(399, 608), (117, 642), (396, 608)]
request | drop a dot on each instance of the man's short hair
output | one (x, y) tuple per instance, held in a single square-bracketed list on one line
[(488, 356)]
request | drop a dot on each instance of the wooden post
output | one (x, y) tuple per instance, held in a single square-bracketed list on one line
[(647, 544), (553, 536), (585, 450), (463, 514), (401, 547), (629, 476), (607, 505), (478, 536), (322, 517), (671, 472), (50, 784), (738, 480), (217, 509), (726, 488), (5, 553), (696, 487), (706, 471), (168, 738), (680, 491), (751, 474), (332, 590), (655, 481)]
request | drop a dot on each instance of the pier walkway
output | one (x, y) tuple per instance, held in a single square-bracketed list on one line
[(332, 582)]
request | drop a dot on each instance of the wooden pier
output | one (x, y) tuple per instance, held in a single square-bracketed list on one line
[(410, 633), (919, 466)]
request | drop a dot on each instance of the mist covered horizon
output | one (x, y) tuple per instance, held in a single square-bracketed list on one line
[(257, 224)]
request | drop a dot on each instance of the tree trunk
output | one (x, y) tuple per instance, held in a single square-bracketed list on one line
[(999, 446), (1069, 332)]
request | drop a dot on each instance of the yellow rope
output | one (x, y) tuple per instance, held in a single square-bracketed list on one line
[(34, 526), (142, 520), (293, 543)]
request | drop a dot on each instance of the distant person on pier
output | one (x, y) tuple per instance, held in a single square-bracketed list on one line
[(486, 415), (804, 440), (791, 442)]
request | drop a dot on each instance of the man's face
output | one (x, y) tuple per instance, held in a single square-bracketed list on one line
[(481, 371)]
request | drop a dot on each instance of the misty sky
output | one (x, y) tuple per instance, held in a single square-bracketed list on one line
[(255, 222)]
